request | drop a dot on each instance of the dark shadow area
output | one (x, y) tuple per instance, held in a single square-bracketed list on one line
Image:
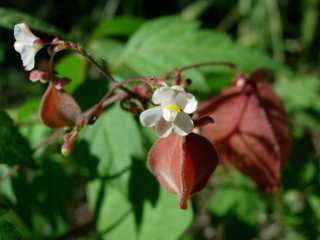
[(237, 229), (142, 187), (302, 153), (84, 161), (90, 92), (48, 192)]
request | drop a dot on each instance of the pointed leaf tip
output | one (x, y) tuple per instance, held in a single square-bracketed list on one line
[(183, 165)]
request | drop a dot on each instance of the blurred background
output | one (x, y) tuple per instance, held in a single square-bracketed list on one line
[(103, 190)]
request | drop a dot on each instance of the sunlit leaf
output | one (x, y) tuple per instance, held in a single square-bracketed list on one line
[(159, 221), (72, 67), (114, 139), (107, 49), (27, 110), (170, 42)]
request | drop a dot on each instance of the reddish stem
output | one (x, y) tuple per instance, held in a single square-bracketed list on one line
[(12, 171)]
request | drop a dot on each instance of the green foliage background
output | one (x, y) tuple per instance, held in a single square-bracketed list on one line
[(104, 190)]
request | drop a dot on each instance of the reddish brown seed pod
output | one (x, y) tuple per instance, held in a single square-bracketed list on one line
[(250, 130), (59, 109), (182, 165)]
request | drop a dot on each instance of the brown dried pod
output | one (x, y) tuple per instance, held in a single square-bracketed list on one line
[(250, 130), (182, 165), (59, 109)]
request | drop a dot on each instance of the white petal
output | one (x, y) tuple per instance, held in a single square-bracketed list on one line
[(169, 115), (187, 102), (183, 124), (18, 46), (27, 56), (23, 34), (150, 117), (163, 128), (163, 95), (177, 88)]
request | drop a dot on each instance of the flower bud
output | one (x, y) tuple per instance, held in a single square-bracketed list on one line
[(57, 41), (182, 165), (38, 75), (59, 109), (66, 148), (250, 130)]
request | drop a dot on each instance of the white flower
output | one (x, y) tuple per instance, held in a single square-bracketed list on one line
[(27, 44), (172, 113)]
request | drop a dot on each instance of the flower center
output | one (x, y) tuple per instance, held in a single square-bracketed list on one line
[(173, 107)]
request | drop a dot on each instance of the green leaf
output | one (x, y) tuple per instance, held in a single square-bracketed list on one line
[(10, 17), (300, 95), (128, 192), (9, 220), (35, 134), (8, 231), (314, 202), (6, 185), (114, 139), (27, 110), (299, 92), (237, 196), (160, 221), (171, 42), (293, 234), (107, 49), (83, 161), (14, 149), (72, 67), (194, 10), (223, 201), (50, 197), (120, 26)]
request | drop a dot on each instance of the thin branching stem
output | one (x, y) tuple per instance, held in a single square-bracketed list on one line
[(8, 174)]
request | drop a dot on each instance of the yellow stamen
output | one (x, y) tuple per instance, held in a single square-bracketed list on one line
[(173, 107)]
